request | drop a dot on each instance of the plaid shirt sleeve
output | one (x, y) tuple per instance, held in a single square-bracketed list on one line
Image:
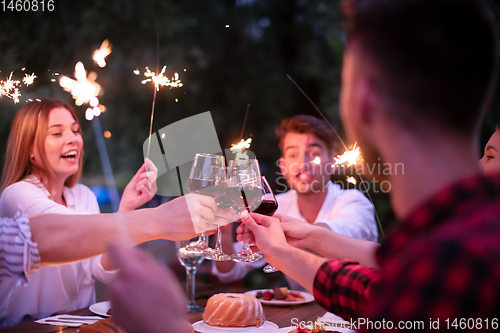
[(438, 281), (343, 287)]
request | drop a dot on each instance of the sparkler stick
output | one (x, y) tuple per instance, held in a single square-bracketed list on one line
[(317, 109), (244, 122), (159, 81), (347, 156)]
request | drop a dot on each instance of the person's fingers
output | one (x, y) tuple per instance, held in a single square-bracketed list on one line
[(249, 222), (203, 200), (259, 218), (240, 230), (143, 186), (150, 166), (150, 175)]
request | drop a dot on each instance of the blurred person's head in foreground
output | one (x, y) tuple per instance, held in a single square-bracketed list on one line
[(45, 140), (419, 69), (307, 146)]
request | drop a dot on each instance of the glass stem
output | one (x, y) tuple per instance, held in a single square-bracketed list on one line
[(190, 284), (218, 244), (246, 247), (203, 238)]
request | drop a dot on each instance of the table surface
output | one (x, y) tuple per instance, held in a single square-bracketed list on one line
[(280, 315)]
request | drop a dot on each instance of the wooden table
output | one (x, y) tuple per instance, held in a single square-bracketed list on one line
[(281, 315)]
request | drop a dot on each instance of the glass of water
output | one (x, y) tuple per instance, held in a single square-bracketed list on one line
[(190, 258)]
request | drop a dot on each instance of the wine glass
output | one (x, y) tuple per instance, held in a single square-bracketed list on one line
[(244, 190), (268, 206), (207, 174), (190, 259), (217, 254)]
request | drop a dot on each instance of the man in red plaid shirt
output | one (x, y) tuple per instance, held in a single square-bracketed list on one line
[(416, 80)]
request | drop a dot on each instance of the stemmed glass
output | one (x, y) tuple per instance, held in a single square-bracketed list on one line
[(268, 206), (217, 254), (207, 175), (244, 190), (190, 259)]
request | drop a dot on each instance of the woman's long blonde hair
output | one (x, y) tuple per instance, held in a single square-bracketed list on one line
[(30, 123)]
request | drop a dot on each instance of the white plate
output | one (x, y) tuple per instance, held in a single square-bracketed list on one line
[(308, 298), (268, 327), (101, 308)]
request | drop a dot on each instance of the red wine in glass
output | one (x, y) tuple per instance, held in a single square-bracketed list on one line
[(267, 207)]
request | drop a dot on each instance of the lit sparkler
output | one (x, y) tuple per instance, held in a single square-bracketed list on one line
[(84, 89), (10, 87), (102, 53), (29, 79), (239, 149), (317, 160), (158, 80), (352, 153), (161, 80), (352, 180), (349, 158)]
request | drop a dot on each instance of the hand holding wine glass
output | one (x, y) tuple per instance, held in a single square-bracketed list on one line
[(207, 175), (244, 190), (268, 206)]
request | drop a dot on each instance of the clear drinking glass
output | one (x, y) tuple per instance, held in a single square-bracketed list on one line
[(217, 254), (205, 178), (190, 259), (244, 190)]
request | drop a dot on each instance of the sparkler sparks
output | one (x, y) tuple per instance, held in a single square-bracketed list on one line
[(160, 79), (349, 158), (317, 160), (239, 148), (29, 79), (102, 53), (352, 180), (84, 89), (10, 87)]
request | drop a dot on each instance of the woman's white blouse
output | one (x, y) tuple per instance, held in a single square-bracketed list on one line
[(48, 290)]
